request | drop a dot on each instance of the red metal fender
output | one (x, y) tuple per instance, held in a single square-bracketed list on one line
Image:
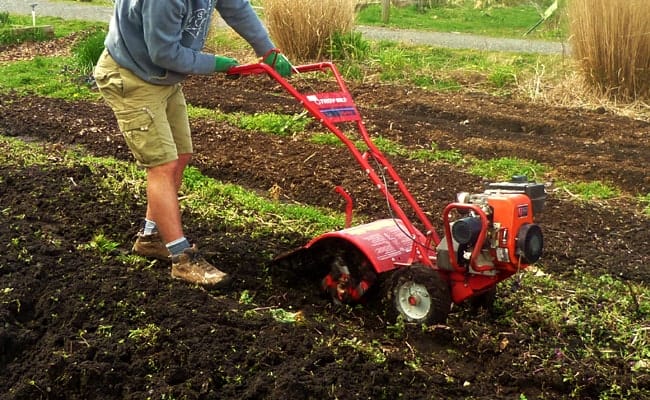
[(386, 243)]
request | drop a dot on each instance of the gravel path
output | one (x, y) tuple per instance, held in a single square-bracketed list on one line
[(463, 40), (452, 40), (64, 10)]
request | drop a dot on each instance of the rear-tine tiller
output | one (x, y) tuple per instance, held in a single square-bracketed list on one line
[(486, 237)]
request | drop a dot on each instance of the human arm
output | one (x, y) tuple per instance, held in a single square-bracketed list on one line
[(174, 40), (241, 17)]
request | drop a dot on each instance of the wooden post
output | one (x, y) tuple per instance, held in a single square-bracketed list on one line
[(30, 32), (385, 11)]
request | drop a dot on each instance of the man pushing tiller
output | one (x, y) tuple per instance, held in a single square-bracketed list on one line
[(151, 47)]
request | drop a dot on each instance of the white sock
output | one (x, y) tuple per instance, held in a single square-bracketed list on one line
[(149, 227), (177, 246)]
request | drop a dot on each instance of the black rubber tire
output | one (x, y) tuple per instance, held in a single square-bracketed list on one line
[(430, 288)]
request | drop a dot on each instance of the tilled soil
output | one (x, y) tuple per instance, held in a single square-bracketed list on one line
[(69, 332)]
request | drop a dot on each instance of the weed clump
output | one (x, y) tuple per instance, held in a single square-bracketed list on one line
[(88, 50)]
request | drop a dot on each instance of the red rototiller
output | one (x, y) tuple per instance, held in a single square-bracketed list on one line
[(486, 237)]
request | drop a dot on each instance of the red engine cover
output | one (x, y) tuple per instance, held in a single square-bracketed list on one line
[(511, 212)]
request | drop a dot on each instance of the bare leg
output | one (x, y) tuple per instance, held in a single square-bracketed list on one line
[(163, 182), (179, 167), (183, 160), (162, 200)]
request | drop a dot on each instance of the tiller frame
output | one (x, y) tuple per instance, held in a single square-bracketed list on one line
[(493, 237)]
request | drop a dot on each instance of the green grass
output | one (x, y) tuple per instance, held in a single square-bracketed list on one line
[(326, 139), (438, 68), (510, 22), (451, 156), (45, 76), (645, 200), (209, 199), (350, 46), (584, 317), (434, 68), (590, 190), (506, 167), (272, 123), (9, 36), (147, 335), (217, 201), (494, 169), (200, 112), (88, 2), (278, 124), (59, 76), (390, 147), (86, 52), (62, 27), (100, 244)]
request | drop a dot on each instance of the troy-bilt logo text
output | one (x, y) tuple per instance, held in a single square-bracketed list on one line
[(335, 106), (325, 101)]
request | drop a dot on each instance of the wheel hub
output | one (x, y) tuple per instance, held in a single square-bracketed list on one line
[(414, 300)]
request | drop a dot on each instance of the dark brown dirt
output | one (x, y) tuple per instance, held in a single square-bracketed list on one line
[(67, 333)]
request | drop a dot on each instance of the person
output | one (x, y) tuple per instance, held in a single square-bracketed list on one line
[(150, 48)]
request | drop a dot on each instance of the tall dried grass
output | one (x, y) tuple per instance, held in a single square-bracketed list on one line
[(611, 41), (302, 29), (568, 87)]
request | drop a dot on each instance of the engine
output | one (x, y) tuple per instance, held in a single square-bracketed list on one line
[(493, 231)]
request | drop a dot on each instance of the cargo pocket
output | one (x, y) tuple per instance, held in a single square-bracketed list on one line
[(109, 83), (108, 77), (136, 126)]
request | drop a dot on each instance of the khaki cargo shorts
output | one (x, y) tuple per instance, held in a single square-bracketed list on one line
[(152, 118)]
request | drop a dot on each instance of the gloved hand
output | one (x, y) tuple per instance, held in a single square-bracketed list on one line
[(279, 62), (223, 64)]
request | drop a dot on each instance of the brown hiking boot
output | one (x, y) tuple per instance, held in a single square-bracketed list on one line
[(150, 246), (190, 266)]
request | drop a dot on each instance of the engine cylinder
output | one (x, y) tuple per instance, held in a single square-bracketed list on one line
[(466, 230)]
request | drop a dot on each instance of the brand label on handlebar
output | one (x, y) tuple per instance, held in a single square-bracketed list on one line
[(335, 106)]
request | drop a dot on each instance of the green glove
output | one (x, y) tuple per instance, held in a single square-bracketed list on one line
[(279, 62), (223, 64)]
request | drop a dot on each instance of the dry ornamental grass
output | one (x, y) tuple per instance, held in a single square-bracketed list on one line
[(611, 40), (303, 29)]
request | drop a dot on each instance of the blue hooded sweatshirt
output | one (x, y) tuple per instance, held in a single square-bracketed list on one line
[(161, 40)]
